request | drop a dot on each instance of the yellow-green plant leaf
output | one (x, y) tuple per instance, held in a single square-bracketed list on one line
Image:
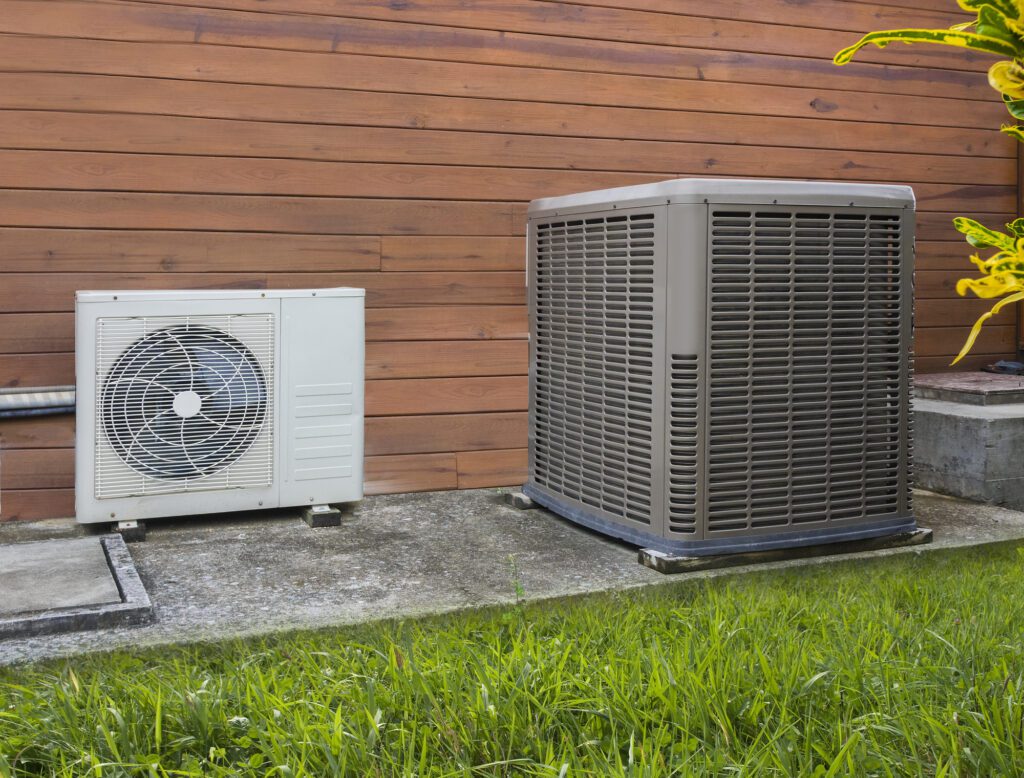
[(994, 24), (1007, 8), (992, 285), (967, 40), (1016, 227), (1011, 263), (976, 329), (1014, 131), (1015, 107), (980, 236), (1007, 77)]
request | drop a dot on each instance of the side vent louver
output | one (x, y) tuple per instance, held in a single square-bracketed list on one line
[(684, 451), (593, 396)]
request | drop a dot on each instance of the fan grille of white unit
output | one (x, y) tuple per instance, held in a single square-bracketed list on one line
[(183, 403)]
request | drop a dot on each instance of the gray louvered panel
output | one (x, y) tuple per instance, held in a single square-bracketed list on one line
[(805, 382), (684, 443), (593, 395)]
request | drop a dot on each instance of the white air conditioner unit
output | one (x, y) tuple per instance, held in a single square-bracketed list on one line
[(722, 366), (194, 402)]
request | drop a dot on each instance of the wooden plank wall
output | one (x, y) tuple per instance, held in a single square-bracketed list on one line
[(393, 144)]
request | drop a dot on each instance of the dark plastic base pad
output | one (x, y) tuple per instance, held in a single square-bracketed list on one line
[(730, 545)]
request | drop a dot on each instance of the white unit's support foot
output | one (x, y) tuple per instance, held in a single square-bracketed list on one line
[(130, 531), (322, 516)]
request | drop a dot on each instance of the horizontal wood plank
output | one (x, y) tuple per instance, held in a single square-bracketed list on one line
[(412, 473), (452, 253), (429, 41), (220, 213), (36, 370), (939, 226), (446, 358), (244, 176), (278, 141), (480, 469), (854, 16), (447, 323), (354, 71), (437, 434), (37, 432), (419, 396), (348, 216), (995, 338), (625, 20), (955, 312), (36, 332), (23, 292), (354, 31), (302, 107), (33, 504), (36, 468), (134, 251)]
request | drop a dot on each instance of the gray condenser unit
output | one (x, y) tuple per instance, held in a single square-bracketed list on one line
[(723, 365)]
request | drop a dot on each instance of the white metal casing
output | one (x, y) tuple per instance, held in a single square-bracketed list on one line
[(313, 422)]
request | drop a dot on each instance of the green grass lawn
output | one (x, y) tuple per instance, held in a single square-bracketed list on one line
[(909, 665)]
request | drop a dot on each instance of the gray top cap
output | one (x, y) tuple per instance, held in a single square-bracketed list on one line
[(731, 190)]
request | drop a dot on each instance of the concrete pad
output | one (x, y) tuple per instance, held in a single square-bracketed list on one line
[(51, 574), (971, 388), (397, 556), (970, 450), (62, 585)]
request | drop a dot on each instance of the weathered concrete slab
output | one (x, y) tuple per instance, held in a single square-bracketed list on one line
[(972, 388), (971, 451), (63, 585), (671, 564), (396, 556), (51, 574)]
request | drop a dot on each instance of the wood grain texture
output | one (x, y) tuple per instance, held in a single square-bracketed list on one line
[(32, 370), (279, 141), (602, 30), (37, 432), (307, 107), (34, 504), (135, 251), (410, 473), (189, 61), (454, 432), (37, 468), (24, 292), (417, 396), (394, 146), (672, 57), (575, 18), (447, 323), (492, 468), (445, 358)]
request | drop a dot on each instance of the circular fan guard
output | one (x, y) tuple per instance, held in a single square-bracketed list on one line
[(183, 402)]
